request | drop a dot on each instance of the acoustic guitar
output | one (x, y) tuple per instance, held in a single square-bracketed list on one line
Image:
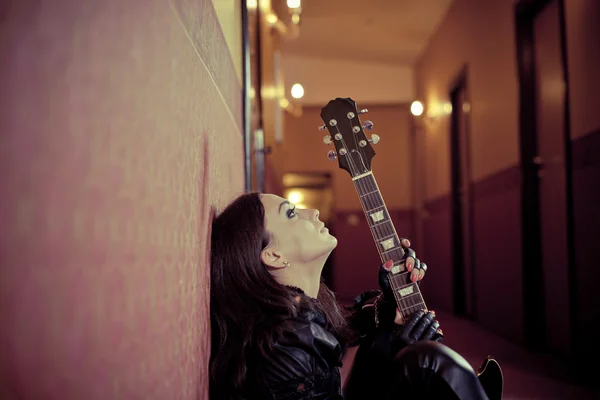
[(354, 153)]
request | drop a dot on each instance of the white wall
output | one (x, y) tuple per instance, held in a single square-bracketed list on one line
[(366, 82)]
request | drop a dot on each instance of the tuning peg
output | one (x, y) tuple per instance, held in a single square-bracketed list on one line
[(363, 111), (374, 139), (327, 139), (331, 155), (368, 125), (322, 127)]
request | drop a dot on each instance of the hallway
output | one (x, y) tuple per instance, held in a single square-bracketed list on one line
[(526, 375), (125, 126)]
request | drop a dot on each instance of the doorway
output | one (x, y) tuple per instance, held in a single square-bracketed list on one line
[(548, 271), (462, 204)]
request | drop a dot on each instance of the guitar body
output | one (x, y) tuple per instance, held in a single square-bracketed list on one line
[(491, 378), (354, 153)]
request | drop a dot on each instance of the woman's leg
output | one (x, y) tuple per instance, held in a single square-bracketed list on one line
[(425, 370)]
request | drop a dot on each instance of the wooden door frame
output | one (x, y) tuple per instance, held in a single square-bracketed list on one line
[(458, 239), (533, 287)]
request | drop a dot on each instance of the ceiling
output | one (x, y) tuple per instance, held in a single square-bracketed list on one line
[(384, 31)]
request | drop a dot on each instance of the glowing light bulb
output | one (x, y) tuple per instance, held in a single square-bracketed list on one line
[(416, 108), (272, 19), (293, 3), (295, 197), (297, 91)]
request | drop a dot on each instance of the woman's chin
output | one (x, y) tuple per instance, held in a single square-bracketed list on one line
[(334, 241)]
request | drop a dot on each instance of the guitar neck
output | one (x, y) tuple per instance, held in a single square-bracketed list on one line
[(407, 293)]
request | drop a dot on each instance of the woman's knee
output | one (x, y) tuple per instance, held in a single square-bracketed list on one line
[(432, 355), (436, 368)]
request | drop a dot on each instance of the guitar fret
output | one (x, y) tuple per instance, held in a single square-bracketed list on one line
[(380, 223), (387, 251), (408, 296), (389, 236), (383, 231), (408, 311), (366, 194)]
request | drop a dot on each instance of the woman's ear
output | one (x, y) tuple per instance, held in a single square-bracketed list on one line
[(272, 258)]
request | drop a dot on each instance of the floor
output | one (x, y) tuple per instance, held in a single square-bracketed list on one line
[(526, 375)]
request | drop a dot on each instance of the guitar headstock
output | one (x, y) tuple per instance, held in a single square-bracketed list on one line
[(353, 149)]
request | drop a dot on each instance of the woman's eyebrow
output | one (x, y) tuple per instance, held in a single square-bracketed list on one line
[(283, 203)]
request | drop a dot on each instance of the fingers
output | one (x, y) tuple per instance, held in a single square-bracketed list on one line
[(439, 336), (388, 265), (410, 257), (405, 242), (411, 262), (384, 279), (421, 326), (431, 331), (419, 330), (399, 320), (410, 324), (414, 275)]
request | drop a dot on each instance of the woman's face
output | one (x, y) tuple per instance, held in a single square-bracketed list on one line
[(298, 235)]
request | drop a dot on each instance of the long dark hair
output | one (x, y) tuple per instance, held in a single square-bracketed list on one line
[(247, 304)]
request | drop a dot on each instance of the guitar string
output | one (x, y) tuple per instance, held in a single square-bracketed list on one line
[(405, 303), (385, 230), (404, 278), (414, 284), (389, 230), (375, 231), (354, 171)]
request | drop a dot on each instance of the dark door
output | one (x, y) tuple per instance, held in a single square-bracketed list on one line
[(550, 158), (462, 221), (547, 216)]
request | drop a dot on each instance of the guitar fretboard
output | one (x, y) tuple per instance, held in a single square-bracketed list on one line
[(407, 293)]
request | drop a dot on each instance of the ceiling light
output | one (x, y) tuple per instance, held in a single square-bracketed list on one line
[(272, 19), (293, 3), (295, 197), (297, 91), (416, 108)]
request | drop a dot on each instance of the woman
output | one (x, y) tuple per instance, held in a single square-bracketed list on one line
[(278, 332)]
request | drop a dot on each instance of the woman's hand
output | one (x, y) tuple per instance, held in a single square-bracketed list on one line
[(422, 325), (412, 263)]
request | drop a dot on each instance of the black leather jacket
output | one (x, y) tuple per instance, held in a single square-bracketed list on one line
[(305, 362), (306, 359)]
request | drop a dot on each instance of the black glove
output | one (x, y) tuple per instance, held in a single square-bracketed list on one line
[(420, 326)]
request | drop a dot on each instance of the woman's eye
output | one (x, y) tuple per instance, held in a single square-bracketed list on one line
[(291, 212)]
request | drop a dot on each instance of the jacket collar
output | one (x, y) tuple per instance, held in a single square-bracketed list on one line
[(309, 308)]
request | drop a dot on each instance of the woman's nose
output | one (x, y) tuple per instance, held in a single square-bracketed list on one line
[(314, 214)]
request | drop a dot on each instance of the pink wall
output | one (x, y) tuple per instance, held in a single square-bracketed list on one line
[(110, 113)]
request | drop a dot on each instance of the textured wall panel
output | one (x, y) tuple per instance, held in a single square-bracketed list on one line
[(109, 119)]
